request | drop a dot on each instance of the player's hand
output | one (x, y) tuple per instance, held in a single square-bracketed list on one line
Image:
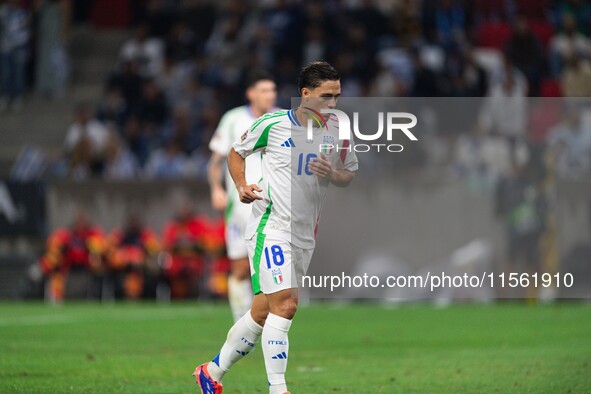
[(247, 193), (219, 198), (321, 167)]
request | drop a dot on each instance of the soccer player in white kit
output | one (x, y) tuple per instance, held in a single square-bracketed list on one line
[(261, 95), (281, 230)]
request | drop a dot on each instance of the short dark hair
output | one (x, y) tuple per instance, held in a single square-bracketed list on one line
[(256, 76), (315, 73)]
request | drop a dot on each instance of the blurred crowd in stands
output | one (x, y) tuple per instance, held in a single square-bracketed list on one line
[(187, 260), (33, 49), (186, 63)]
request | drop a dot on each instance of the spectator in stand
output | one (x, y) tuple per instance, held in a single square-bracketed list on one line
[(183, 242), (579, 9), (81, 246), (467, 77), (180, 128), (450, 22), (181, 44), (129, 82), (152, 108), (168, 162), (226, 50), (198, 98), (85, 143), (505, 110), (570, 146), (426, 82), (576, 77), (483, 159), (14, 51), (315, 46), (112, 110), (146, 51), (525, 52), (52, 63), (567, 43), (404, 23), (370, 18), (120, 163), (136, 140), (173, 80)]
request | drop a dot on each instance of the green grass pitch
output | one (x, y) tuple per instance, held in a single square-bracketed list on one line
[(359, 348)]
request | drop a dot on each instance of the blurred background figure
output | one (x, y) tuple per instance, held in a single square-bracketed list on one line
[(183, 265), (570, 145), (132, 252), (81, 247), (144, 50), (52, 60), (85, 144), (14, 51)]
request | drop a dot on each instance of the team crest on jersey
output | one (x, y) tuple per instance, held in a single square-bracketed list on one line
[(327, 144), (243, 136), (277, 276)]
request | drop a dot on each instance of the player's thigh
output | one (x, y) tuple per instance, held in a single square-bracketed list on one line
[(235, 227), (240, 268), (271, 264)]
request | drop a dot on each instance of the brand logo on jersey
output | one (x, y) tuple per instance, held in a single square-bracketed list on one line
[(280, 356), (243, 136), (288, 143), (277, 276), (327, 144)]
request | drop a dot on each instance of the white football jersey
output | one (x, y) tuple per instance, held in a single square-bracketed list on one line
[(292, 195)]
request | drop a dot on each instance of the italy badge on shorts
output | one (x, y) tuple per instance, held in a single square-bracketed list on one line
[(277, 276)]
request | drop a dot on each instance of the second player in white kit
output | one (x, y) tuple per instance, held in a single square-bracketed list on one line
[(261, 96)]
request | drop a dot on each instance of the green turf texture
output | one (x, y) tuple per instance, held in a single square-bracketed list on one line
[(360, 348)]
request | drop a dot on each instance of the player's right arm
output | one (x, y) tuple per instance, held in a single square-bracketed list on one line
[(219, 198), (237, 167), (219, 145), (254, 139)]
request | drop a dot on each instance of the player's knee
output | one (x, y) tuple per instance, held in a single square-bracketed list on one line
[(286, 309), (259, 316)]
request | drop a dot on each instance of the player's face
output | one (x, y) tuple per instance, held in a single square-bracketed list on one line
[(323, 96), (263, 95)]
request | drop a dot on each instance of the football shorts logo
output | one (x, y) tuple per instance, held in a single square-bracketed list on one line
[(277, 276)]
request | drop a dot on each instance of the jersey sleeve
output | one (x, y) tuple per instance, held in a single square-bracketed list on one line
[(348, 158), (220, 142), (254, 139)]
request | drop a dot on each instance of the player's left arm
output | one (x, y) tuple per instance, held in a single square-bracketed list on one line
[(341, 170), (323, 168)]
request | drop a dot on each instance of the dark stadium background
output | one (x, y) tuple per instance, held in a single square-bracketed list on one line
[(158, 109), (150, 80)]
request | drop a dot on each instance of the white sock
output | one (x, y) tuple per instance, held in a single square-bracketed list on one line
[(240, 296), (241, 339), (275, 351)]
